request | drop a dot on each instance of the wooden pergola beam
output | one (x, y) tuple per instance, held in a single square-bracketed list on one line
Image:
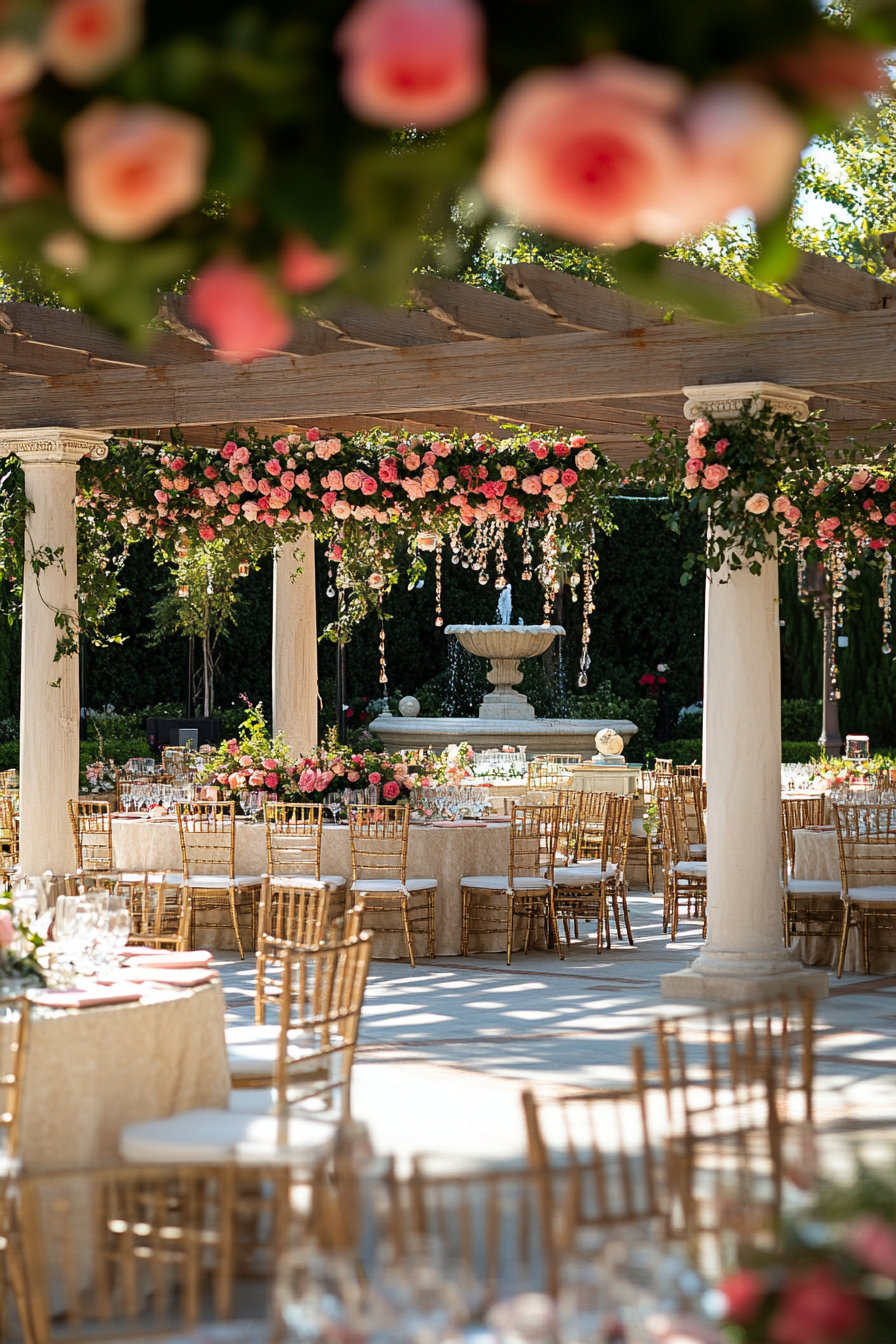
[(805, 351)]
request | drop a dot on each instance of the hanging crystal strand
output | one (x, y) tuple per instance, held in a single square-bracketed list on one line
[(439, 620), (885, 601), (837, 565), (587, 609), (500, 563), (547, 571), (527, 551), (384, 680)]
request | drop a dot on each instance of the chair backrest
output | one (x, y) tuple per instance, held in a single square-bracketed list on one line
[(621, 833), (796, 815), (138, 1252), (322, 993), (207, 837), (15, 1015), (546, 774), (692, 794), (674, 827), (294, 837), (296, 915), (596, 812), (567, 842), (692, 771), (866, 837), (533, 839), (379, 840), (9, 836), (559, 759), (601, 1140), (161, 913), (92, 831), (662, 765)]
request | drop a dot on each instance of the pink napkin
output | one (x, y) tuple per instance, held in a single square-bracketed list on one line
[(89, 998), (185, 961), (181, 978)]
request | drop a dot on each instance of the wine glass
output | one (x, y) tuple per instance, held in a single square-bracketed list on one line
[(244, 801), (119, 931), (334, 806)]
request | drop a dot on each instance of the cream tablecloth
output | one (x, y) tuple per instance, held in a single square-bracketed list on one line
[(91, 1071), (815, 854), (446, 854)]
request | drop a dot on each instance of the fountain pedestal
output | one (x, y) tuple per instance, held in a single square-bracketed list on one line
[(505, 645)]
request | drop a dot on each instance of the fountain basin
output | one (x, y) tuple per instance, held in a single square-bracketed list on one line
[(505, 645), (541, 736)]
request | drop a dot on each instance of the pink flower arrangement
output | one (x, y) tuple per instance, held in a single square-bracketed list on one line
[(713, 475)]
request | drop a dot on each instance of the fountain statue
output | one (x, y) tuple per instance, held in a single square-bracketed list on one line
[(505, 715)]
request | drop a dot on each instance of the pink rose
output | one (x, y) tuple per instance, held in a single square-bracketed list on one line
[(206, 533), (328, 499), (700, 427), (691, 482), (342, 509), (859, 479), (558, 494), (744, 1292), (337, 766), (229, 449), (721, 445), (412, 461), (321, 779), (758, 503), (374, 778), (132, 516), (270, 764), (890, 520), (352, 776), (232, 746), (130, 169), (181, 482), (781, 504), (233, 304), (818, 488), (246, 760), (693, 466), (817, 1307), (280, 496), (589, 153), (235, 781), (305, 267), (508, 473), (793, 514), (273, 467), (585, 460), (353, 480), (881, 484), (551, 476), (429, 459), (569, 477), (368, 486), (7, 929), (695, 448), (388, 470), (160, 496), (714, 474), (531, 485), (391, 790), (828, 526), (306, 516), (306, 781), (271, 781), (412, 62), (84, 39)]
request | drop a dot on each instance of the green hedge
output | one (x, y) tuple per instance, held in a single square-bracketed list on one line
[(120, 750)]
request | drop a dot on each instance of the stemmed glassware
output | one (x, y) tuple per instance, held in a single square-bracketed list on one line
[(333, 805)]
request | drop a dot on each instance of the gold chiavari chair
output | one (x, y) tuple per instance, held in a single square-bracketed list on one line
[(207, 841), (866, 838), (161, 913), (9, 837), (644, 841), (126, 1253), (600, 1143), (581, 890), (561, 759), (307, 1057), (811, 906), (546, 774), (692, 771), (379, 842), (595, 815), (95, 865), (492, 904), (618, 885), (692, 793), (684, 878), (293, 837), (287, 916), (567, 838), (662, 766)]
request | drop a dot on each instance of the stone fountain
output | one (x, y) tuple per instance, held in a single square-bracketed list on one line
[(505, 715)]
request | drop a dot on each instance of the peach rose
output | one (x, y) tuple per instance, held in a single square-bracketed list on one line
[(585, 460), (353, 480), (131, 169), (413, 62), (233, 304), (531, 485), (781, 504), (859, 479), (585, 153), (558, 494), (19, 67), (305, 267), (84, 39), (714, 474), (691, 482), (342, 509), (758, 503)]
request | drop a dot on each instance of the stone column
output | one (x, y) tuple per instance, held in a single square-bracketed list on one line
[(48, 737), (744, 956), (294, 673)]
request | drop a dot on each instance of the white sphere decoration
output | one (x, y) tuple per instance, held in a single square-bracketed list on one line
[(409, 707), (608, 742)]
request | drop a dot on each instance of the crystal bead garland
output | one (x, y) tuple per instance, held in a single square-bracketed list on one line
[(547, 571), (527, 550), (885, 601), (439, 620), (837, 569), (587, 609), (384, 680), (501, 562)]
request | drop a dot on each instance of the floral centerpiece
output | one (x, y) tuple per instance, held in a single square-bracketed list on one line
[(100, 776), (18, 948), (253, 760), (333, 768)]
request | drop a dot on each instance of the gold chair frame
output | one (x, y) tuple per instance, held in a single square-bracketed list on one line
[(493, 909), (378, 835), (866, 839), (208, 839)]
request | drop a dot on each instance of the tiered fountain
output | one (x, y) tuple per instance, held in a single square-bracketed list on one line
[(505, 715)]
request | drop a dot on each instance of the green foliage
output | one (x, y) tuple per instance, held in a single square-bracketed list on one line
[(799, 753), (800, 719)]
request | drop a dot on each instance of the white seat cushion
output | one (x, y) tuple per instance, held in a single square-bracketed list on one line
[(305, 882), (252, 1051), (882, 894), (697, 851), (584, 875), (393, 885), (220, 1136), (812, 886), (213, 882), (501, 883), (685, 869)]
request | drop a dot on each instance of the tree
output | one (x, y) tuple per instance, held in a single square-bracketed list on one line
[(200, 602)]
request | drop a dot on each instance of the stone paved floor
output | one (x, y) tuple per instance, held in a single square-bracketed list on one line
[(447, 1048)]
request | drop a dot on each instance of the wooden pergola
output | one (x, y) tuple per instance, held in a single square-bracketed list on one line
[(562, 354)]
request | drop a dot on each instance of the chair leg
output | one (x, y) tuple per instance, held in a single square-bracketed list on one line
[(407, 931), (464, 920), (628, 923), (674, 913), (844, 934), (866, 959), (616, 913), (552, 916), (509, 924), (431, 910)]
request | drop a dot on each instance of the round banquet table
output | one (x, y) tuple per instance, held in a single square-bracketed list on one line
[(815, 854), (93, 1070), (444, 853)]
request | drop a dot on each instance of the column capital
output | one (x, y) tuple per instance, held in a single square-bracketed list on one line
[(51, 443), (724, 401)]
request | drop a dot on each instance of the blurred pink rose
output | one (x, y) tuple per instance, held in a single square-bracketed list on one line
[(558, 494), (859, 479), (744, 1292), (20, 67), (304, 267), (369, 486), (236, 781), (890, 520), (569, 477), (374, 777), (83, 39), (132, 168), (758, 503), (233, 303), (388, 470), (269, 763), (693, 466), (531, 485), (232, 746), (412, 62), (714, 474), (352, 776), (342, 509), (206, 533), (246, 760), (833, 70), (817, 1309), (353, 480), (881, 484), (391, 790), (7, 929), (256, 779), (700, 428), (271, 781), (691, 482), (781, 504), (584, 153), (306, 781), (793, 514)]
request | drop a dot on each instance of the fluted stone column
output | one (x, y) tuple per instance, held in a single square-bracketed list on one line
[(48, 739), (294, 672), (744, 956)]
